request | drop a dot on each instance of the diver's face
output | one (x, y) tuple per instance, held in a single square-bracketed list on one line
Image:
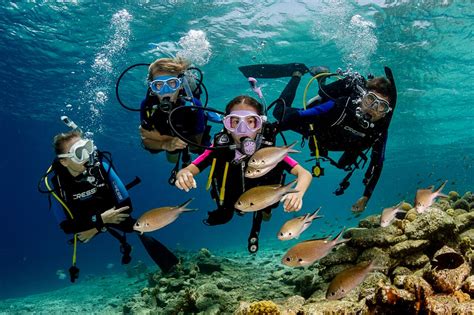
[(166, 86), (73, 167), (250, 121), (376, 105)]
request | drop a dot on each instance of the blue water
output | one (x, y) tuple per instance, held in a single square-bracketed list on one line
[(64, 58)]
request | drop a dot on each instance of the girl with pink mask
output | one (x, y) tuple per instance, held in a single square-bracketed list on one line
[(245, 132)]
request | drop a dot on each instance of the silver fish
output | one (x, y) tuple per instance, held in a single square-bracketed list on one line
[(388, 214), (348, 279), (294, 227), (251, 172), (270, 156), (307, 252), (260, 197), (157, 218), (425, 197)]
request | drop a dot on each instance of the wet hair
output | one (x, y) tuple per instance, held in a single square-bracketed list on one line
[(380, 85), (60, 140), (174, 66), (247, 100)]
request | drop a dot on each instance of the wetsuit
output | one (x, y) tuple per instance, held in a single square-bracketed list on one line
[(87, 196), (236, 184), (191, 124), (336, 126), (90, 194)]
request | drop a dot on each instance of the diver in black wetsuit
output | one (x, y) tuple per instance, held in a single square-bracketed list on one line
[(351, 115), (92, 199)]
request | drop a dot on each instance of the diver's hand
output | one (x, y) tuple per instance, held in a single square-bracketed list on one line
[(86, 236), (114, 216), (145, 134), (185, 180), (174, 143), (292, 202), (360, 204)]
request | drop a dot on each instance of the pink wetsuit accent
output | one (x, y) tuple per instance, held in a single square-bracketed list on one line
[(202, 157), (292, 163)]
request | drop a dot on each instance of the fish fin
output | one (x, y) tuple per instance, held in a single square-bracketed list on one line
[(315, 215), (440, 195), (438, 191), (187, 202), (338, 239), (290, 183), (161, 255), (290, 148)]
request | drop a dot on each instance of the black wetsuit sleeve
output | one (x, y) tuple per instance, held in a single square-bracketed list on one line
[(334, 90), (70, 226), (374, 170)]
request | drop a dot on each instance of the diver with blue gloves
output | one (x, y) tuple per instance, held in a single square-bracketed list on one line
[(350, 115), (92, 199)]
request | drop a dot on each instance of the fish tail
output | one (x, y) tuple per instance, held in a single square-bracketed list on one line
[(400, 204), (288, 186), (438, 191), (315, 215), (337, 240), (185, 204), (290, 147)]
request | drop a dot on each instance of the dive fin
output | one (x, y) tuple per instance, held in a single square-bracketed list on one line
[(270, 71), (161, 255)]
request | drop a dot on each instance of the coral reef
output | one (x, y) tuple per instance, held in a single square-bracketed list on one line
[(424, 265)]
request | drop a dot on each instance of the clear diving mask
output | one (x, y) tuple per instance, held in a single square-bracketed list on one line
[(372, 101), (80, 152)]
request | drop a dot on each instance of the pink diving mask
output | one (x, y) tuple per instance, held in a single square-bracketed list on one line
[(243, 123)]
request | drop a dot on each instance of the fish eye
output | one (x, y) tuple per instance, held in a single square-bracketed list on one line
[(251, 204), (289, 233), (288, 259), (239, 203), (281, 234), (137, 224), (254, 161), (333, 293), (147, 224), (300, 260)]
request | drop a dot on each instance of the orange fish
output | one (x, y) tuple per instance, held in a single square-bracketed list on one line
[(260, 197), (157, 218), (348, 279), (294, 227), (270, 156), (307, 252), (425, 197), (388, 214)]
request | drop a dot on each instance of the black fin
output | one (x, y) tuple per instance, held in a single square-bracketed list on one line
[(273, 70), (161, 255)]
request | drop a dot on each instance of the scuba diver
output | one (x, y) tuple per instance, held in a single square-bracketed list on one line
[(170, 85), (350, 115), (91, 198), (245, 131)]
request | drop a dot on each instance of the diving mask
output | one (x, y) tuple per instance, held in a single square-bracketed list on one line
[(165, 85), (243, 123), (372, 101), (80, 152)]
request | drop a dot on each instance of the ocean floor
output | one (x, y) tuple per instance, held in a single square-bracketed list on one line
[(93, 295), (423, 263)]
